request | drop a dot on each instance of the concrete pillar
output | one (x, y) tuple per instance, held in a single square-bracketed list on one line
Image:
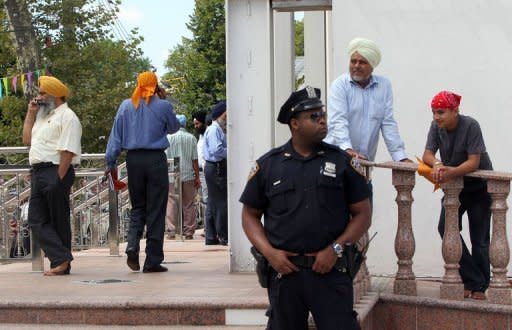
[(315, 51), (250, 98), (284, 68)]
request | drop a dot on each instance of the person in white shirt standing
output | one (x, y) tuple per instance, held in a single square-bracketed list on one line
[(182, 144), (53, 132)]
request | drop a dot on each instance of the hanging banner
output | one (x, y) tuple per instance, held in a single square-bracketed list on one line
[(6, 86), (23, 83), (10, 83), (14, 83), (29, 79)]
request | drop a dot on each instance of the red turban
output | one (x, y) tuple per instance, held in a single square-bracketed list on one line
[(445, 100)]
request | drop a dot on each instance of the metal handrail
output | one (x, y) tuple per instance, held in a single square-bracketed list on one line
[(117, 204)]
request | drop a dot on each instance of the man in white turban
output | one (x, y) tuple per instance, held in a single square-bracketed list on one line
[(360, 104)]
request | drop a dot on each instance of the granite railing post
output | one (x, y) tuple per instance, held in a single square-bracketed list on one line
[(499, 289), (452, 287), (405, 280)]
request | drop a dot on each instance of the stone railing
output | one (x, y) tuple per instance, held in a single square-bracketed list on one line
[(498, 186)]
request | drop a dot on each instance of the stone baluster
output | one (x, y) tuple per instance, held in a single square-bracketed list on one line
[(499, 289), (452, 287), (405, 280)]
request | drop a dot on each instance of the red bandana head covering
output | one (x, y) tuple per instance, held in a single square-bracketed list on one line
[(146, 86), (445, 100)]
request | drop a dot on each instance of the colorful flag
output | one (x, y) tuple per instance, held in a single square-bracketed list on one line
[(14, 83)]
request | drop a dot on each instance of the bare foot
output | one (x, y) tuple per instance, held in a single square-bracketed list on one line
[(478, 295), (59, 270), (467, 293)]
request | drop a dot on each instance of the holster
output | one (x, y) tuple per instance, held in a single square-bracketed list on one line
[(354, 259), (262, 267)]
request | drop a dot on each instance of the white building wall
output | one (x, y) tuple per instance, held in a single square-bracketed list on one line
[(428, 46), (250, 100), (315, 50)]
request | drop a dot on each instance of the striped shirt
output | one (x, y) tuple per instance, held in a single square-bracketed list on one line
[(183, 145)]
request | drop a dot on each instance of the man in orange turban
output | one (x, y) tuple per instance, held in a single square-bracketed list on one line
[(147, 84), (53, 132), (141, 126), (462, 149)]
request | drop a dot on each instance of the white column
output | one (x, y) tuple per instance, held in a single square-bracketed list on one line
[(284, 68), (250, 97), (314, 50)]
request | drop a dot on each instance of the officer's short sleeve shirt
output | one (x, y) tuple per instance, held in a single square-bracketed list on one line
[(305, 201)]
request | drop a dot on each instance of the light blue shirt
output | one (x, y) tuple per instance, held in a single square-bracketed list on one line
[(357, 115), (144, 128), (215, 147)]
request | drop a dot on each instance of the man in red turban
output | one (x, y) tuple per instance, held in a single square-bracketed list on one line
[(462, 149)]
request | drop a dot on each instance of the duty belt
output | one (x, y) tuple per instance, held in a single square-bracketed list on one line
[(308, 261)]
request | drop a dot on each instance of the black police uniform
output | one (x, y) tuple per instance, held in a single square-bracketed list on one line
[(305, 203)]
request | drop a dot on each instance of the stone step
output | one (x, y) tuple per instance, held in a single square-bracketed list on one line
[(114, 327)]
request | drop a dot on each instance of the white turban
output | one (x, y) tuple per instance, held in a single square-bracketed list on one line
[(367, 49)]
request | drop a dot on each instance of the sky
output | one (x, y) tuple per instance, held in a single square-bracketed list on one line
[(160, 22)]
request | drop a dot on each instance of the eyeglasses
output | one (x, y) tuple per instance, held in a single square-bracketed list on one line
[(317, 115)]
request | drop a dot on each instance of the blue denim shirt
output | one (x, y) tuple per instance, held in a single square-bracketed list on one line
[(143, 128)]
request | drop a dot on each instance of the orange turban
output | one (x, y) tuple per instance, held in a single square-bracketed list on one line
[(425, 171), (146, 86), (52, 86)]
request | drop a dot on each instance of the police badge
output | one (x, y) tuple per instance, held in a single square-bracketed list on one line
[(254, 169)]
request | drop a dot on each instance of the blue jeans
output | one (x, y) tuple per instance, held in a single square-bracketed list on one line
[(475, 267)]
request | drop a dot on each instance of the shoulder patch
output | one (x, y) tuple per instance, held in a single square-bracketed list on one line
[(254, 169), (356, 165)]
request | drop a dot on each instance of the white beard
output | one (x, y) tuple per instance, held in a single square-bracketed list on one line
[(45, 108)]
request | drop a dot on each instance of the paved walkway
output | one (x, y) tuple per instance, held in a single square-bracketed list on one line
[(198, 276)]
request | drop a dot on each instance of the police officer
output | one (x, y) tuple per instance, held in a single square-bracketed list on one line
[(314, 203)]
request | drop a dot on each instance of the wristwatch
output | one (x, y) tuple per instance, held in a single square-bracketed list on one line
[(338, 249)]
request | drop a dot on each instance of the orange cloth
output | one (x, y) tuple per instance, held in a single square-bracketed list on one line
[(426, 171), (52, 86), (146, 87)]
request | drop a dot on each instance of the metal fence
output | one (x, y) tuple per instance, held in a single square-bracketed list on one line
[(99, 215)]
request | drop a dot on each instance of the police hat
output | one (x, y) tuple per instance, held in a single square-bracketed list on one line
[(305, 99)]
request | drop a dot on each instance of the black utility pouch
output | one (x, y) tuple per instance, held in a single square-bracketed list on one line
[(354, 259), (262, 267)]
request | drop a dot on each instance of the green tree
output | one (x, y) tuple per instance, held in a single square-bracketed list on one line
[(7, 50), (197, 67), (299, 37), (78, 45)]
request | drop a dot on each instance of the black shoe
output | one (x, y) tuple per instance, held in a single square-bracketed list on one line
[(156, 269), (211, 242), (223, 241), (133, 260)]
